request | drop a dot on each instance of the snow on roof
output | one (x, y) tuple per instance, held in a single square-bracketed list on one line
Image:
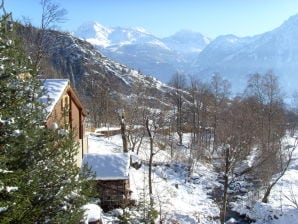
[(108, 166), (54, 89)]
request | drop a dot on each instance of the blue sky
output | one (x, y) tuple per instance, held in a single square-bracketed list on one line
[(164, 17)]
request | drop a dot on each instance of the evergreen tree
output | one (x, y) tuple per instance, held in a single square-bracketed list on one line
[(39, 179)]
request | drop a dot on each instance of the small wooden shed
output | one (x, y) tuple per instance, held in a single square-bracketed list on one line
[(112, 178)]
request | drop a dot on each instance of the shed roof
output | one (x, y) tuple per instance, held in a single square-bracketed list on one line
[(108, 166)]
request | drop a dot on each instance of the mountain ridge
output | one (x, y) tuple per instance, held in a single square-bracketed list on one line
[(275, 51), (194, 54), (161, 57)]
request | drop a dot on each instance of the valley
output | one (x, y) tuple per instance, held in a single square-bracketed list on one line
[(182, 128)]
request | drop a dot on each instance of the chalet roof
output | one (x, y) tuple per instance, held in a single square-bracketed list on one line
[(55, 88), (113, 166)]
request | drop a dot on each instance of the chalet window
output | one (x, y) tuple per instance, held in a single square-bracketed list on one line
[(65, 103), (65, 109)]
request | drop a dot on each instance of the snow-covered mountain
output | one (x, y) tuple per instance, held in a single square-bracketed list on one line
[(143, 51), (192, 53), (101, 36), (235, 57), (75, 59), (187, 41)]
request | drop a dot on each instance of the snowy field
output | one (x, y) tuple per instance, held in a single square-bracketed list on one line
[(181, 201)]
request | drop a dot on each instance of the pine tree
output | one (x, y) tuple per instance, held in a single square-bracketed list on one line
[(39, 179)]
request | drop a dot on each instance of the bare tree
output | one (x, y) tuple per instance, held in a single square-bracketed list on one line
[(153, 123), (284, 165), (220, 90), (136, 112), (234, 141), (292, 116), (97, 97), (178, 82), (198, 116), (269, 114), (292, 198), (123, 130), (51, 15)]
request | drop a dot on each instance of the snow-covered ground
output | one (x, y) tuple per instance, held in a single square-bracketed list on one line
[(104, 145), (281, 208), (175, 199), (181, 201)]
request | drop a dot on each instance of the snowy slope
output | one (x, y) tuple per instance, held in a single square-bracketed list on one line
[(75, 59), (178, 202)]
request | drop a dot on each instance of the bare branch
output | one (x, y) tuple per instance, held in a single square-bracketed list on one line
[(292, 198), (51, 14), (2, 7)]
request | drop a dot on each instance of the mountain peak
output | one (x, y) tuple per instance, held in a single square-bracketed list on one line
[(100, 28), (141, 30), (92, 30), (187, 41), (290, 25), (293, 20), (189, 34), (102, 36)]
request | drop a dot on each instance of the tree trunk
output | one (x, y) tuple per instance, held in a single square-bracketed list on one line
[(267, 193), (214, 147), (180, 134), (150, 173), (226, 184), (150, 163), (139, 146), (123, 134)]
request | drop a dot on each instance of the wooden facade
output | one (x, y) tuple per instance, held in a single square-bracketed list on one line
[(67, 111)]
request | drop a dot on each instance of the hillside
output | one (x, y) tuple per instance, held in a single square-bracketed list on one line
[(78, 61)]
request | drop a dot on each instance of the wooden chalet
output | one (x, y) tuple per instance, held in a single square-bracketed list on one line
[(66, 110)]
